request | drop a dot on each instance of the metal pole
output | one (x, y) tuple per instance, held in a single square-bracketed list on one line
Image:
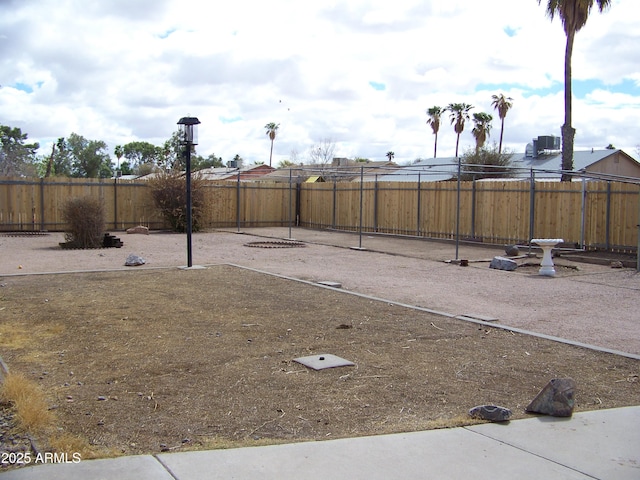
[(189, 251), (115, 203), (361, 202), (458, 212), (419, 213), (583, 213), (607, 228), (532, 207), (473, 208), (290, 202), (238, 203)]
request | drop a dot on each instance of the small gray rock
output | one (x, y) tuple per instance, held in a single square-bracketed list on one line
[(502, 263), (493, 413), (512, 250), (134, 261), (557, 398)]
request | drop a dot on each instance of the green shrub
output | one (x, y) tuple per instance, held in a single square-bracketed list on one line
[(169, 191), (85, 219)]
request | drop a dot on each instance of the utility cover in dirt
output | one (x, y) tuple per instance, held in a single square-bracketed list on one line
[(323, 360)]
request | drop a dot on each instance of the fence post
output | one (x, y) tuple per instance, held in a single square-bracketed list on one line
[(473, 208), (361, 203), (333, 212), (458, 212), (532, 207), (42, 204), (238, 202), (607, 231), (375, 204), (583, 218), (115, 203), (419, 206), (290, 201)]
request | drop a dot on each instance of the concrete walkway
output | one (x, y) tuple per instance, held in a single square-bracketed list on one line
[(603, 444)]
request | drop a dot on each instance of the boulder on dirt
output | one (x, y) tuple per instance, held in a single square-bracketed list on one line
[(512, 250), (493, 413), (139, 229), (557, 398), (134, 261), (502, 263)]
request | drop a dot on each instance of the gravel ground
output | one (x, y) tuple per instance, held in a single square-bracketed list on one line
[(587, 303)]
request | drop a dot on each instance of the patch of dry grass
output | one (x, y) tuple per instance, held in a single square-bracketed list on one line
[(29, 403)]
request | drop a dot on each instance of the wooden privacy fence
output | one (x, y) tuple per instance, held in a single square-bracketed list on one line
[(592, 214)]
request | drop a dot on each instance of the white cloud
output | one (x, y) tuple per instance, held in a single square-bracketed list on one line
[(120, 71)]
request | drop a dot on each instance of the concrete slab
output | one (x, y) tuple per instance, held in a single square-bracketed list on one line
[(602, 443), (142, 467), (455, 453), (323, 360)]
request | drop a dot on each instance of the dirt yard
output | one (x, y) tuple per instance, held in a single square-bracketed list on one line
[(150, 360)]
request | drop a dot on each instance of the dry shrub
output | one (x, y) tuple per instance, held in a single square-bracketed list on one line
[(76, 445), (169, 191), (28, 401), (85, 219)]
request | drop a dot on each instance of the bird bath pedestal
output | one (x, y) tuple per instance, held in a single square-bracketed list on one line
[(547, 244)]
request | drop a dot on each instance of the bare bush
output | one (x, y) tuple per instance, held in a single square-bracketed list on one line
[(169, 191), (85, 219)]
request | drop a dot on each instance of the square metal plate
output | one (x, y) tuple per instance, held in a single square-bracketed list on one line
[(323, 360)]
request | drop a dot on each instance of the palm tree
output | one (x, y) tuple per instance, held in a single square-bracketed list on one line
[(502, 104), (459, 114), (119, 151), (574, 15), (272, 130), (434, 122), (390, 155), (481, 129)]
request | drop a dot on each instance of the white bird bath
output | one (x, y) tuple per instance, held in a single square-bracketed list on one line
[(547, 244)]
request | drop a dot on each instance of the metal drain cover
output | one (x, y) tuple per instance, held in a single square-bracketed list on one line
[(323, 360)]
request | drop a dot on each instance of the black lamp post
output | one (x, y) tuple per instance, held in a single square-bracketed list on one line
[(188, 137)]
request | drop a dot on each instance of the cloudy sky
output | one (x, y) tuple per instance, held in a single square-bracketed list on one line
[(361, 73)]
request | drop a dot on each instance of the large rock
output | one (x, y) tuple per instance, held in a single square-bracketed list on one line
[(493, 413), (134, 261), (139, 229), (557, 398), (502, 263)]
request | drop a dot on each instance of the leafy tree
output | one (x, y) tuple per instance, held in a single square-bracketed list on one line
[(485, 163), (390, 155), (574, 15), (610, 147), (285, 164), (272, 130), (198, 162), (16, 156), (173, 154), (459, 114), (89, 158), (502, 104), (435, 113), (482, 128), (143, 156), (62, 159), (125, 168)]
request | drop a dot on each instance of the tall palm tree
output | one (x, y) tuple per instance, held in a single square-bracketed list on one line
[(482, 128), (574, 15), (434, 122), (502, 104), (272, 129), (459, 114), (390, 155)]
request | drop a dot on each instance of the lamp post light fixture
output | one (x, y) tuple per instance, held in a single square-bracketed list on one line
[(188, 137)]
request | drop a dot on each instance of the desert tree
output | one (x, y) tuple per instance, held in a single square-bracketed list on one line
[(502, 104), (435, 113), (459, 113), (481, 128), (574, 15), (272, 131)]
